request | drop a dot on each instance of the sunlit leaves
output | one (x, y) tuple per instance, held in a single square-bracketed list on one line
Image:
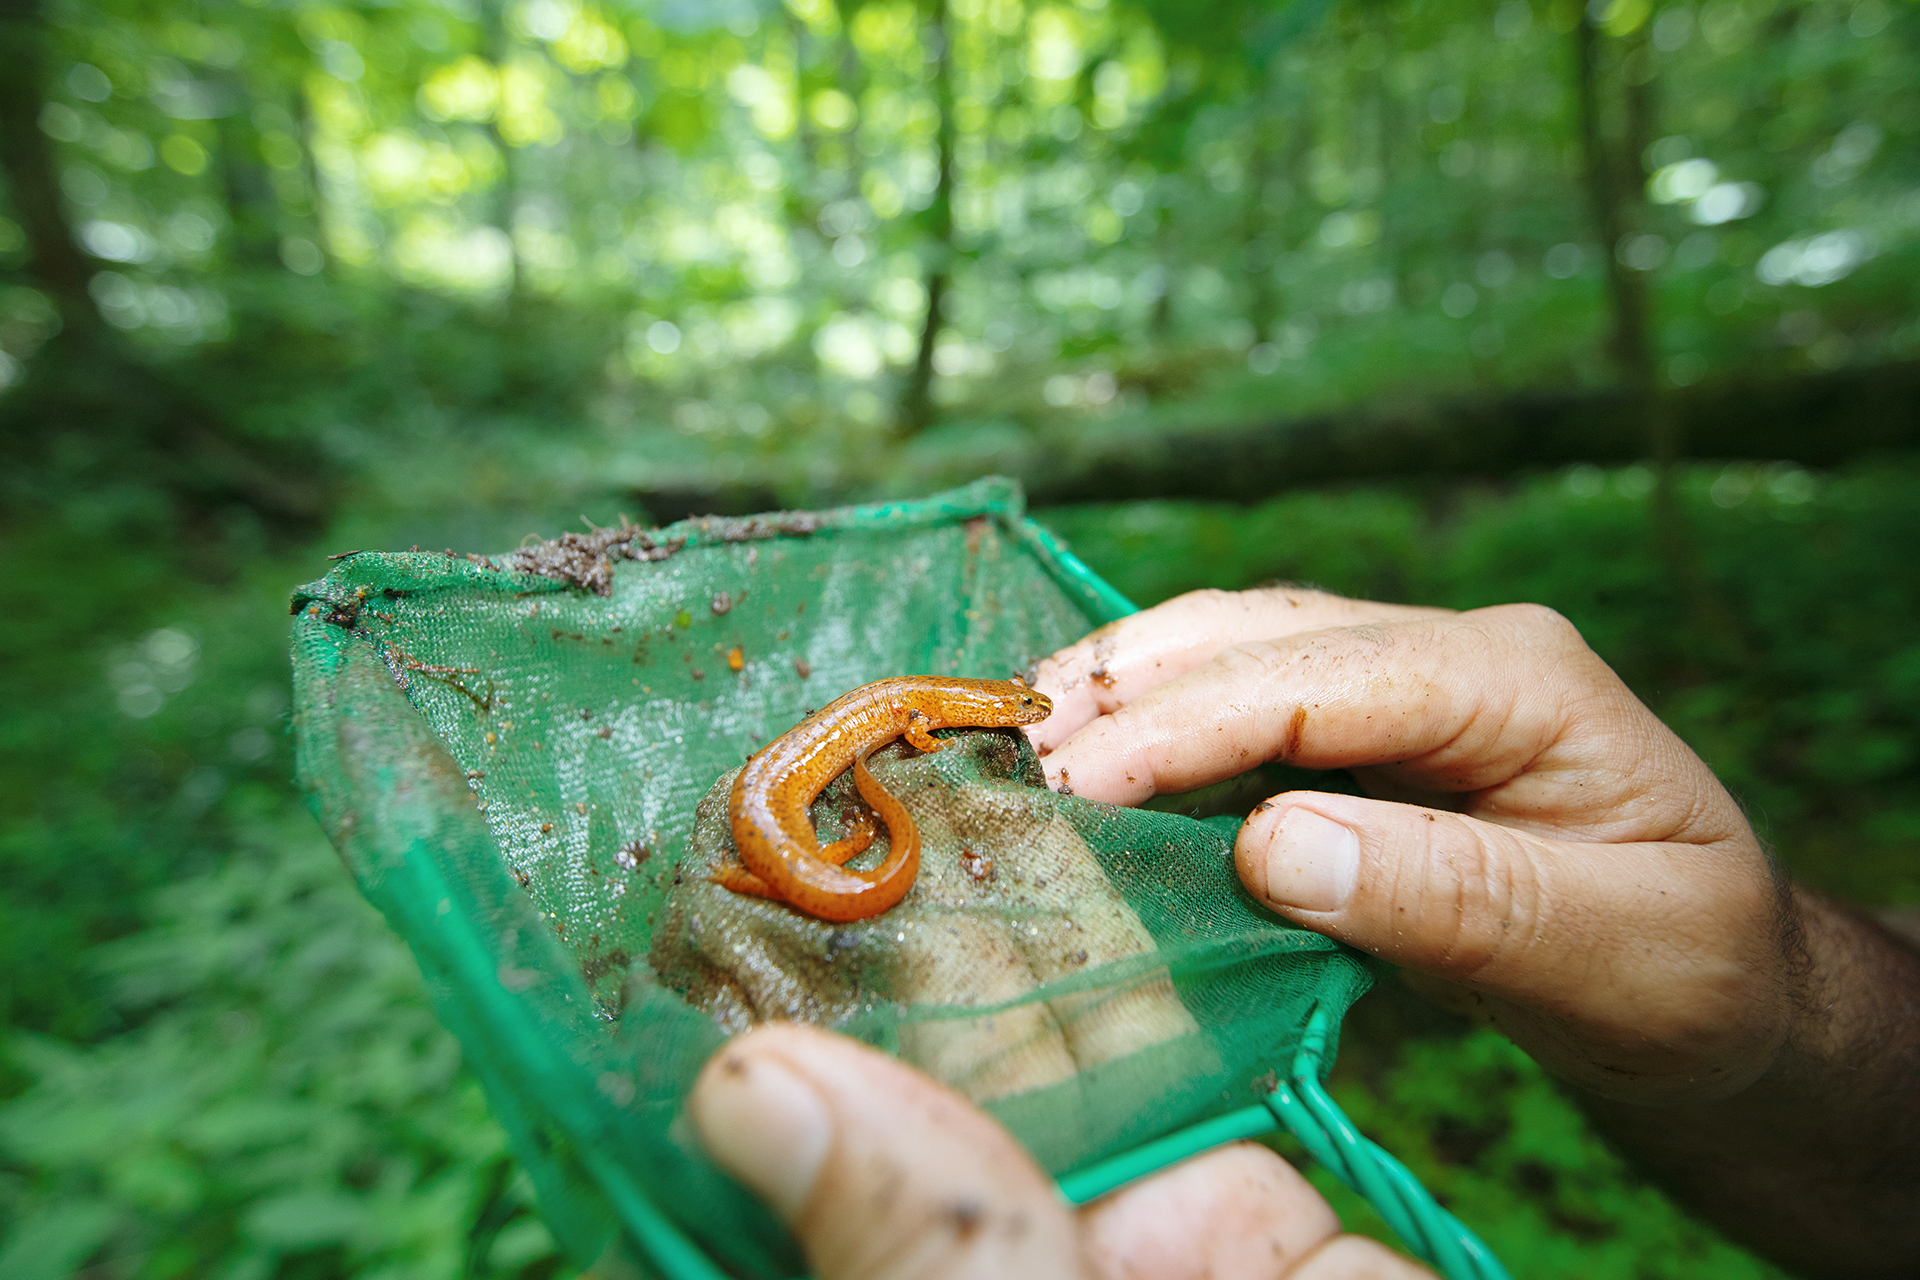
[(1055, 44), (820, 15), (436, 251), (183, 155), (526, 114), (590, 43), (832, 110), (886, 29), (1237, 166), (769, 99), (1619, 18), (339, 111), (468, 89), (399, 167)]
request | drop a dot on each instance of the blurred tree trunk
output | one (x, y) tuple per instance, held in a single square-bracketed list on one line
[(1817, 420), (803, 205), (1290, 227), (916, 403), (1610, 186), (1160, 318), (1258, 232), (1616, 186), (499, 43), (316, 210), (853, 83), (55, 263), (252, 208)]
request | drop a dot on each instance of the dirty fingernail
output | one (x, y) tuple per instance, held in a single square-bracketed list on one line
[(764, 1124), (1312, 862)]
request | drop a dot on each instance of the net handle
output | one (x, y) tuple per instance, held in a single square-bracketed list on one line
[(1303, 1107), (1093, 593)]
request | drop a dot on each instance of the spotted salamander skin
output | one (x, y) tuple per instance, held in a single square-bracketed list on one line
[(780, 855)]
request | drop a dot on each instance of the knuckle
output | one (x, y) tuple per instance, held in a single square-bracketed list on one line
[(1208, 598), (1548, 624), (1251, 660), (1481, 898)]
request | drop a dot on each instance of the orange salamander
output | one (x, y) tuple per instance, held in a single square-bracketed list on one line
[(780, 854)]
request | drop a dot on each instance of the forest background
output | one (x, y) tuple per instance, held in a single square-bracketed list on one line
[(1612, 308)]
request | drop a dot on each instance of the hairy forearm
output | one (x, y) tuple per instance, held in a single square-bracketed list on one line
[(1817, 1164)]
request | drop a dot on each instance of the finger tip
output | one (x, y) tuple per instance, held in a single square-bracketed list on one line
[(1251, 843), (762, 1120), (888, 1136), (1297, 861)]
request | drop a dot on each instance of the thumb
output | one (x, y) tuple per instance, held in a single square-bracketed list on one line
[(882, 1173), (1630, 967)]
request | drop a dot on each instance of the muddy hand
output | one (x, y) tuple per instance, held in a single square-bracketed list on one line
[(1550, 850)]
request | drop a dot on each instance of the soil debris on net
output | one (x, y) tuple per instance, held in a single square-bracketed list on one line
[(586, 560), (774, 524)]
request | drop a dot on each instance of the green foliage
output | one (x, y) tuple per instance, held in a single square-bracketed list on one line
[(284, 1102), (697, 243), (127, 723)]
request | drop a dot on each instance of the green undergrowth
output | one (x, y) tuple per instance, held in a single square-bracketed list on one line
[(283, 1102), (219, 1062)]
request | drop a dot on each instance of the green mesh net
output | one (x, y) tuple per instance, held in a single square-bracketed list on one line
[(523, 759)]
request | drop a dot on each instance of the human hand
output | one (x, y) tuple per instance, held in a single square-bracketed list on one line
[(884, 1174), (1543, 846)]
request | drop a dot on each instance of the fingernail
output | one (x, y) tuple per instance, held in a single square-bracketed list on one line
[(764, 1124), (1313, 863)]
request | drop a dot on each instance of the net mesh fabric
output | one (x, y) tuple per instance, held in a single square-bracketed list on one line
[(524, 761)]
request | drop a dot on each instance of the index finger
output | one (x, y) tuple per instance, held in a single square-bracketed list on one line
[(1111, 667), (1470, 702)]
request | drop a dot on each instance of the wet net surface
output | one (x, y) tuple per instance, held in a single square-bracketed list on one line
[(524, 761)]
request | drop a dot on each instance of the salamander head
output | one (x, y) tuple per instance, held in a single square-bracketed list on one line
[(992, 703), (1029, 706)]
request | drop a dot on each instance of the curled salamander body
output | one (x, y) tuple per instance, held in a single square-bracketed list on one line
[(781, 856)]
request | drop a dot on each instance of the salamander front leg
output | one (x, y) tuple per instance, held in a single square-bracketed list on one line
[(919, 734)]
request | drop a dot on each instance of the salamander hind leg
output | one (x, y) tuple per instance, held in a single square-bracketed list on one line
[(919, 734), (855, 842), (740, 880)]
